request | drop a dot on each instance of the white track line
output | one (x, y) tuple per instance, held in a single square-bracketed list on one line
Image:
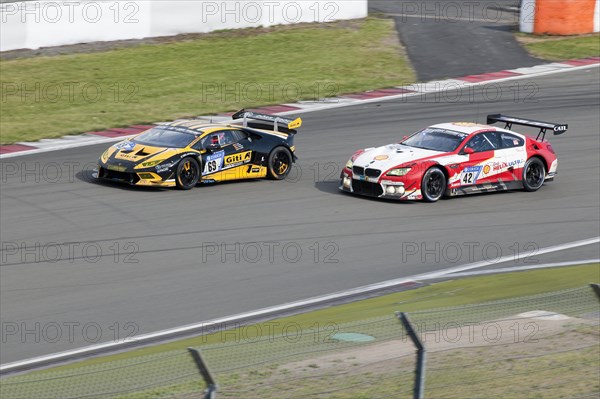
[(507, 258), (165, 334), (333, 105), (518, 268)]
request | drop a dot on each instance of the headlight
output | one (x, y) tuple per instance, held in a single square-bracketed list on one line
[(398, 172), (150, 164), (104, 156), (350, 163)]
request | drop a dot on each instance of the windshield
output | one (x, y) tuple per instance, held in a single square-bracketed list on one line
[(166, 136), (436, 139)]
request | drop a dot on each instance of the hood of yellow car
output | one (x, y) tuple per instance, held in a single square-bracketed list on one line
[(138, 152)]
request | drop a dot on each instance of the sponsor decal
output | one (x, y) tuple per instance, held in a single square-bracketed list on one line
[(243, 157), (178, 129), (470, 175), (255, 170), (498, 166), (238, 146), (560, 128), (487, 169), (214, 163), (381, 157)]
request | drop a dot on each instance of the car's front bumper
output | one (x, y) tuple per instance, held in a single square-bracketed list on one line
[(146, 178), (370, 187)]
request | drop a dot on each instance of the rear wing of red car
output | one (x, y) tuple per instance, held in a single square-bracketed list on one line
[(557, 128), (285, 125)]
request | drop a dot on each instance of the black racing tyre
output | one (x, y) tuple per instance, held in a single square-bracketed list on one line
[(534, 173), (188, 173), (433, 185), (279, 163)]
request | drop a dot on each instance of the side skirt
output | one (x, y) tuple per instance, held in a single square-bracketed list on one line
[(485, 188)]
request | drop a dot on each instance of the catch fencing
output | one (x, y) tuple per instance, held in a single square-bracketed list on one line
[(537, 346)]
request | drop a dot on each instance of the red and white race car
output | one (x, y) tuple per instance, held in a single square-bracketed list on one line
[(453, 159)]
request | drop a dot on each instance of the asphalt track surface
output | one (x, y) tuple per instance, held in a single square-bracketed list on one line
[(178, 279), (448, 38)]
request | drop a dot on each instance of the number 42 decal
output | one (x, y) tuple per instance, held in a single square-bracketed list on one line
[(470, 175)]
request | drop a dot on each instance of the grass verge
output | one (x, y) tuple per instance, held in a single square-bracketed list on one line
[(47, 97), (560, 48)]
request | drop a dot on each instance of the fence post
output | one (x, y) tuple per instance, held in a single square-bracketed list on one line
[(419, 385), (596, 288), (211, 385)]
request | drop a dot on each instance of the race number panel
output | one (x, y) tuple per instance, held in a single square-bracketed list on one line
[(213, 163), (470, 175)]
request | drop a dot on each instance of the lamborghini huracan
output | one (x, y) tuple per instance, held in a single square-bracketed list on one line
[(185, 153)]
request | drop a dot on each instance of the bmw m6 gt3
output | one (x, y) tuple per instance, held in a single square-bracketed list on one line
[(453, 159)]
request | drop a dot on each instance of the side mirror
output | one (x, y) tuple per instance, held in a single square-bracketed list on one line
[(469, 150)]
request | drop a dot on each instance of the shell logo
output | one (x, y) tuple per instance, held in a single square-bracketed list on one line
[(486, 169)]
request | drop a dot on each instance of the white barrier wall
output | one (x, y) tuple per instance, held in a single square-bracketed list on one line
[(35, 24)]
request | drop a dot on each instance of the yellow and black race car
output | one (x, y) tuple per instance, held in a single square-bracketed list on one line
[(183, 153)]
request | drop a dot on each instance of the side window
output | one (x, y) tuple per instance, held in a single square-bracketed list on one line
[(488, 141), (222, 138), (511, 141), (239, 135)]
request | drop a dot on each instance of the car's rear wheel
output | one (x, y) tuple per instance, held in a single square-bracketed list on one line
[(188, 174), (279, 163), (433, 185), (534, 173)]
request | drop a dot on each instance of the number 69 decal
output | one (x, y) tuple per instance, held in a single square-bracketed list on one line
[(214, 163)]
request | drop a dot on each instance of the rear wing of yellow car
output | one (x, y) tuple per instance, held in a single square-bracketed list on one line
[(279, 124)]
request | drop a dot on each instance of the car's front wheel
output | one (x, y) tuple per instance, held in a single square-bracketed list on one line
[(433, 185), (280, 163), (534, 173), (188, 174)]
